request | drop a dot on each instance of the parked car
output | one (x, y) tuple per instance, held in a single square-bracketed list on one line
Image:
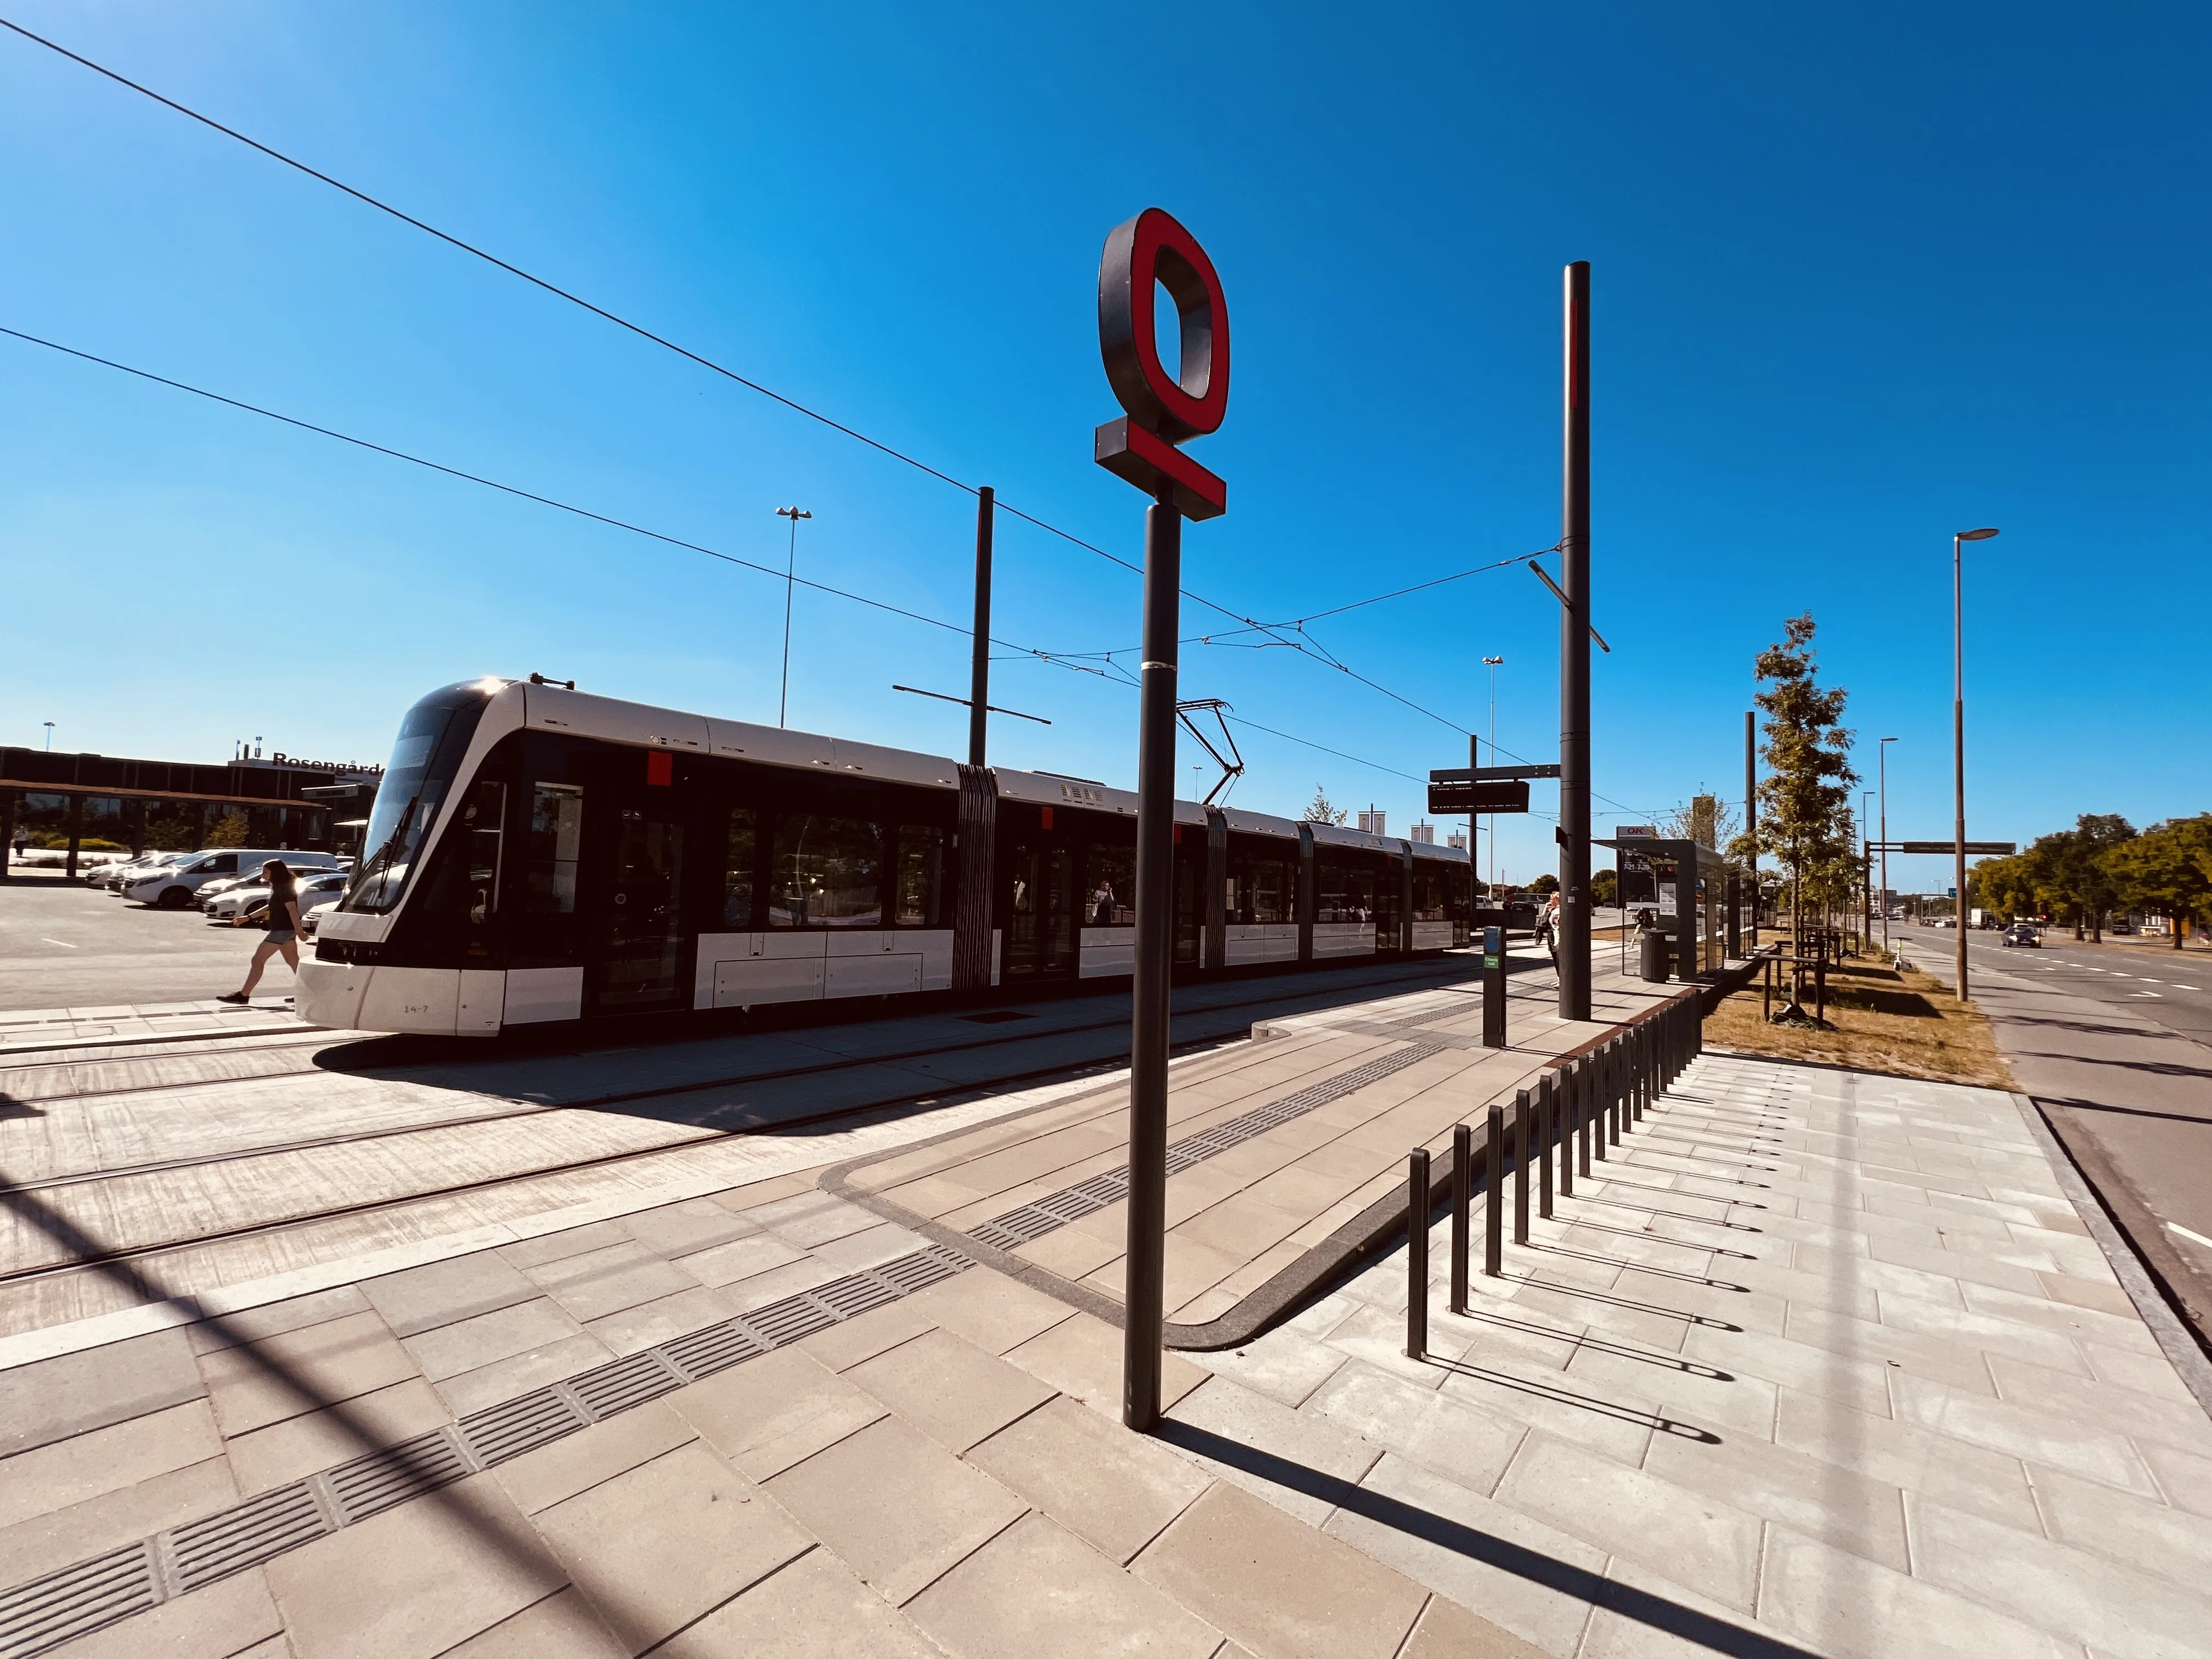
[(2023, 932), (249, 900), (112, 876), (310, 920), (178, 886)]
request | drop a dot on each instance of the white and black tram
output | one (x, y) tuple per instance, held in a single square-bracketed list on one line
[(536, 854)]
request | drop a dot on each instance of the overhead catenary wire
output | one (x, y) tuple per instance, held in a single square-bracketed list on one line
[(1056, 659), (708, 364)]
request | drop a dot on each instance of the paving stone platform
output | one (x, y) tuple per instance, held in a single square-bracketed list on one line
[(1820, 1363)]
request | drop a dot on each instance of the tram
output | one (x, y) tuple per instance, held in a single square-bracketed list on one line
[(536, 854)]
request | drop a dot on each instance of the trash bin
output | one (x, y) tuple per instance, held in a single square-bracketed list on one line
[(1651, 956)]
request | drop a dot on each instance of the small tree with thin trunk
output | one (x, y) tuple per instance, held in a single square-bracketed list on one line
[(1320, 811), (1805, 800)]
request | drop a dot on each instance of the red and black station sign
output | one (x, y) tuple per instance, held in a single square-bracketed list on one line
[(1150, 253)]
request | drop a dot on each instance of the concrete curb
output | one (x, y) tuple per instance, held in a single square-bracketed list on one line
[(2145, 1285)]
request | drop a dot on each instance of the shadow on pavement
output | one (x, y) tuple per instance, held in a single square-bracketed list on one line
[(1643, 1606)]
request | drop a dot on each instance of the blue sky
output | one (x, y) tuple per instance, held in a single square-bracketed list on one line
[(1861, 277)]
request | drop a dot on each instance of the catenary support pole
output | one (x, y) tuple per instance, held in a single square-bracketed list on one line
[(979, 661), (1417, 1254), (1148, 1038), (1574, 934)]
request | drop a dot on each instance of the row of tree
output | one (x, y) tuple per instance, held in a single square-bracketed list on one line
[(2102, 865)]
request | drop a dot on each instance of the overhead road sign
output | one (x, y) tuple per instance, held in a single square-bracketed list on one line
[(1492, 773), (1974, 848), (1501, 796)]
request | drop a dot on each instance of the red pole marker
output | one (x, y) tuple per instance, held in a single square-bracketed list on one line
[(1149, 252)]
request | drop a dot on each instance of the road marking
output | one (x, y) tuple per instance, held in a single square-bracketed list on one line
[(2160, 994), (2194, 1238), (63, 943)]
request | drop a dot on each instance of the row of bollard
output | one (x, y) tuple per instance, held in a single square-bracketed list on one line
[(1576, 1113)]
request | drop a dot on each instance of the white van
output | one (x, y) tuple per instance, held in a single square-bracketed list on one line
[(173, 889)]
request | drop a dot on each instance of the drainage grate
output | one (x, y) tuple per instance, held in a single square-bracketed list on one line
[(62, 1606), (615, 1389), (1054, 1211), (508, 1430), (205, 1550), (40, 1616), (376, 1482)]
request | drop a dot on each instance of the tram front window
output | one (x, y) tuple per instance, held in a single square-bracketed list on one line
[(432, 738)]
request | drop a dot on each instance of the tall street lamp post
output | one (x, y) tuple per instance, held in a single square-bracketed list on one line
[(1881, 802), (1959, 741), (790, 580)]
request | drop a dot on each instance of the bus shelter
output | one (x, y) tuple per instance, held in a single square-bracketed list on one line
[(1693, 894)]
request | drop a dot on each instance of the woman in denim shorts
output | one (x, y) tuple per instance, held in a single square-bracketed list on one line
[(280, 926)]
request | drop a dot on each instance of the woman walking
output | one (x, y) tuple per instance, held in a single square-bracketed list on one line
[(280, 928)]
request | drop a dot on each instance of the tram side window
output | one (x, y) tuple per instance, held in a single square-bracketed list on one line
[(1343, 892), (1260, 890), (737, 871), (1428, 895), (556, 831), (920, 877), (1110, 887), (828, 872), (484, 816)]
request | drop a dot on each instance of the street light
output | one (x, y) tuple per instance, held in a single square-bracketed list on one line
[(50, 737), (1959, 741), (1492, 663), (1866, 872), (1881, 792), (790, 576)]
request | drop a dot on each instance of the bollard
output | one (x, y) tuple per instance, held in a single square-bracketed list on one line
[(1417, 1254), (1493, 1210), (1587, 1107), (1462, 1196), (1548, 1095), (1524, 1106), (1563, 1124)]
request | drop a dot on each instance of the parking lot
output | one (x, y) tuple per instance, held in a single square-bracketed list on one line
[(64, 945)]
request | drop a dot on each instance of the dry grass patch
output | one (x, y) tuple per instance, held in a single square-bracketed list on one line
[(1884, 1019)]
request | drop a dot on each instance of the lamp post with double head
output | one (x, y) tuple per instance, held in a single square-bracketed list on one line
[(1491, 664), (1959, 741)]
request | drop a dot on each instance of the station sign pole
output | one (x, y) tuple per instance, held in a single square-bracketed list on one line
[(1150, 253), (1574, 934)]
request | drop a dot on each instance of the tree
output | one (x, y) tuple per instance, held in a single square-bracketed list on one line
[(1319, 811), (1704, 821), (2082, 873), (2168, 868), (1545, 885), (1605, 889), (1805, 800), (230, 831)]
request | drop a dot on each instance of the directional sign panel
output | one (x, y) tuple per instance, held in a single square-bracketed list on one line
[(1974, 848), (1501, 797)]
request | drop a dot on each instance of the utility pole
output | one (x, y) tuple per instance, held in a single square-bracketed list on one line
[(790, 580), (979, 670), (1574, 658), (1491, 663), (1882, 798)]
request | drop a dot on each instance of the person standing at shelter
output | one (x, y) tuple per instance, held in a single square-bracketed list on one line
[(280, 924)]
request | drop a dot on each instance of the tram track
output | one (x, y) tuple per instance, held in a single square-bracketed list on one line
[(16, 1194)]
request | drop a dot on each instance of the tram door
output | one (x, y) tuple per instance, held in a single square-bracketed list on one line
[(1041, 913), (641, 928)]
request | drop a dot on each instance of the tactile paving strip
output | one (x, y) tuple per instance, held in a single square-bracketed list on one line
[(1033, 1220), (40, 1616)]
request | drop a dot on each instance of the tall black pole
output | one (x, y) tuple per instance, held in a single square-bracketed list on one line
[(979, 671), (1148, 1037), (1574, 661), (1750, 811)]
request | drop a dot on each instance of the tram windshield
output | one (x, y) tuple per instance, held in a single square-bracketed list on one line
[(432, 738)]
